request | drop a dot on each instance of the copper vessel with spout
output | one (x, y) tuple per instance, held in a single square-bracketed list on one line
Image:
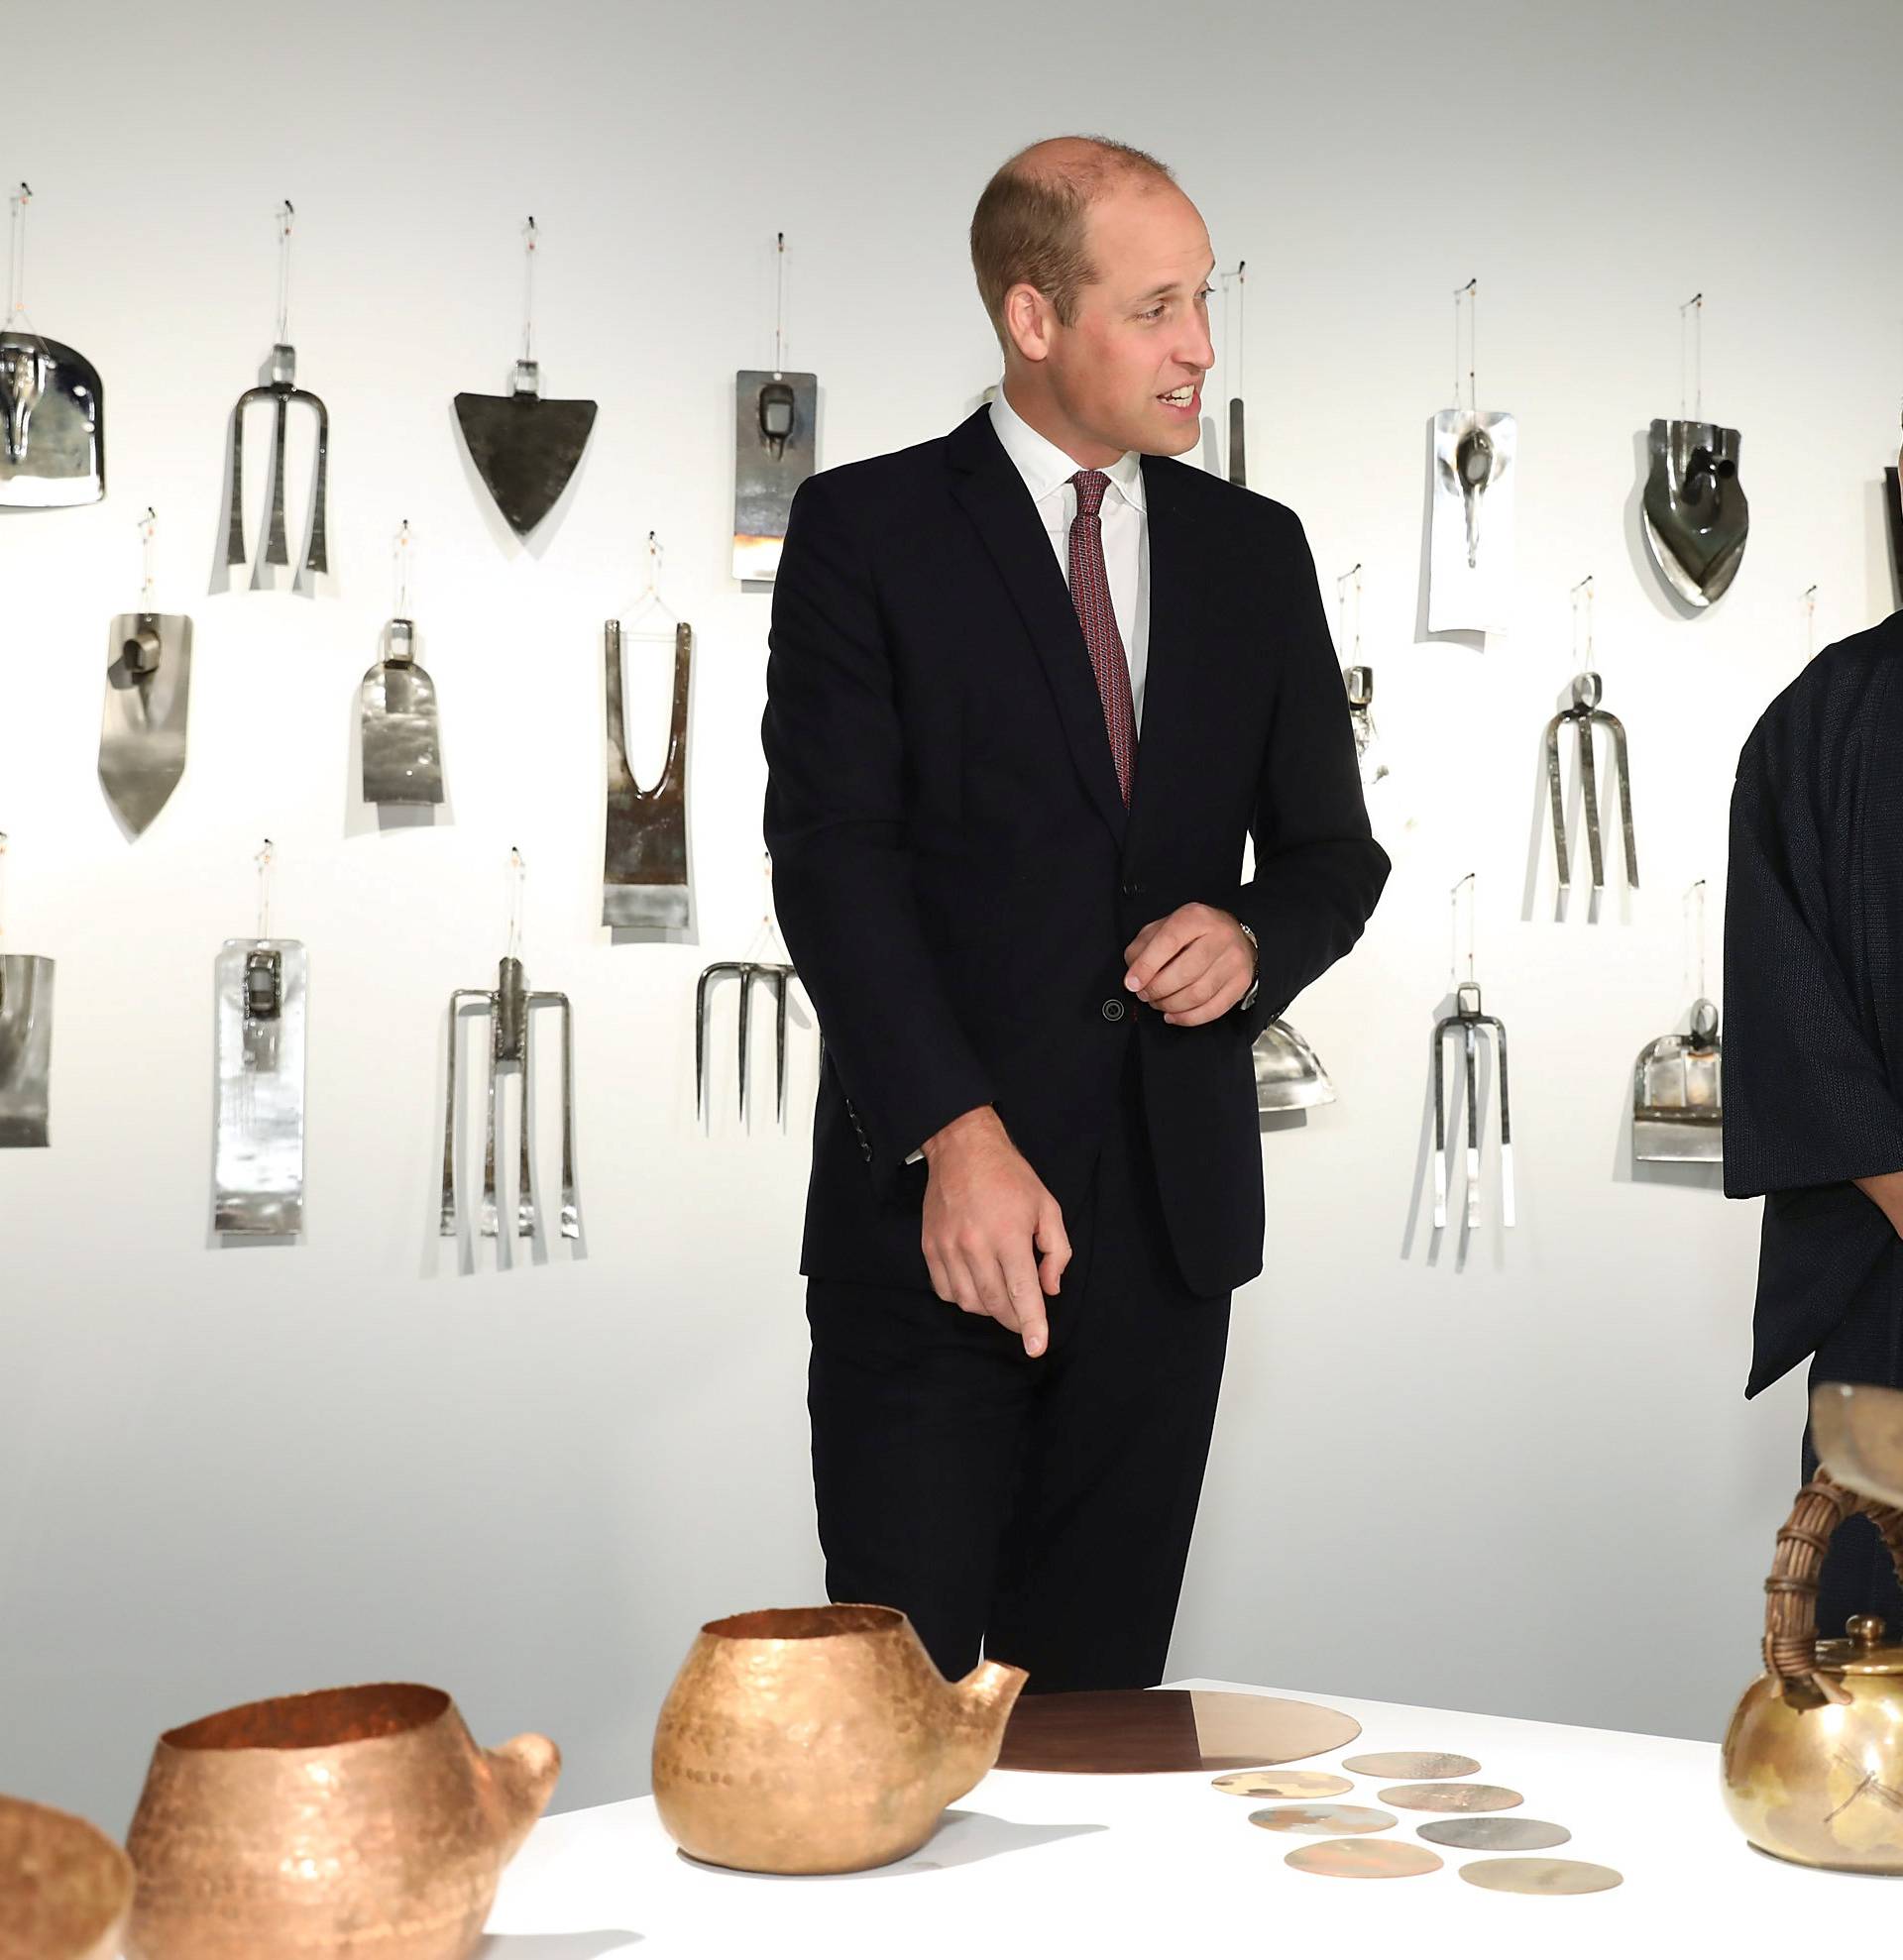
[(352, 1821), (66, 1888), (820, 1739)]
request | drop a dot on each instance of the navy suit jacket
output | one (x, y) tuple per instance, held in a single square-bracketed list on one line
[(954, 870)]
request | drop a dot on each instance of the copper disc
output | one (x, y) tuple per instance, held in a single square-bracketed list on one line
[(1494, 1833), (1364, 1858), (1552, 1877), (1144, 1730), (1452, 1797), (1281, 1783), (1397, 1766), (1323, 1819)]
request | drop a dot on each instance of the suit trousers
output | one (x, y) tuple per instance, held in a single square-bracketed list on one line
[(1036, 1509)]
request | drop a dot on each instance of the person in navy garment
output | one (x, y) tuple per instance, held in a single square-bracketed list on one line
[(1031, 686)]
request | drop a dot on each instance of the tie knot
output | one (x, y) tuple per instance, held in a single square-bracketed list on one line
[(1091, 484)]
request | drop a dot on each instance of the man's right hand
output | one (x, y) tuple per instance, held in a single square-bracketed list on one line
[(986, 1215)]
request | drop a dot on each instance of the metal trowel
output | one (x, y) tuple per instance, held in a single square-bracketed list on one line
[(401, 738), (25, 1045), (53, 430), (258, 1165), (141, 734)]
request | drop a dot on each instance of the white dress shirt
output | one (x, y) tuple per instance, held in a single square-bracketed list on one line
[(1047, 472)]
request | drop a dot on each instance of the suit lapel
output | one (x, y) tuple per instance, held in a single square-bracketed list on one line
[(1167, 676), (987, 484)]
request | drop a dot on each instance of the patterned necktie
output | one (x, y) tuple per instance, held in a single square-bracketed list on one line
[(1090, 594)]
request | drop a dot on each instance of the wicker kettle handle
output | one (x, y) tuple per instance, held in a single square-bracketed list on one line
[(1790, 1606)]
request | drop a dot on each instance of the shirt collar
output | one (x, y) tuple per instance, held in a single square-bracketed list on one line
[(1045, 468)]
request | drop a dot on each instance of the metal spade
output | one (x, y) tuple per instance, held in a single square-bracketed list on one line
[(25, 1045), (1677, 1101), (775, 425), (523, 448), (1693, 508), (645, 875), (1289, 1072), (52, 435), (258, 1161), (402, 741)]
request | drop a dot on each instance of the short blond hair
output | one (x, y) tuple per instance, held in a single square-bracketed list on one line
[(1029, 225)]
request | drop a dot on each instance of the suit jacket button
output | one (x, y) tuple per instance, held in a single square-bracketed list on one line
[(1132, 888), (1113, 1008)]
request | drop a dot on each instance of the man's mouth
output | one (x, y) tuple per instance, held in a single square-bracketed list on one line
[(1180, 397)]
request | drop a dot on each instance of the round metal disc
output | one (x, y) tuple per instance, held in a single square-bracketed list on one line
[(1323, 1819), (1550, 1875), (1364, 1858), (1452, 1797), (1397, 1766), (1281, 1783), (1494, 1833), (1147, 1730)]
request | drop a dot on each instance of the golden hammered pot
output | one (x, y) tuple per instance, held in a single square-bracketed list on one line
[(66, 1888), (820, 1739), (1812, 1759), (355, 1821)]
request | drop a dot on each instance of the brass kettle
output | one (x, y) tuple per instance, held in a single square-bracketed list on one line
[(1812, 1759), (820, 1739)]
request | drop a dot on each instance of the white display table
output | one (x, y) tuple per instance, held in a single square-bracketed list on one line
[(1070, 1867)]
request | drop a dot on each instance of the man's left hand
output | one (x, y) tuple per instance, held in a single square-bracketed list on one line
[(1194, 966)]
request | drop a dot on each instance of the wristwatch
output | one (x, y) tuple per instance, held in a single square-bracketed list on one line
[(1255, 947)]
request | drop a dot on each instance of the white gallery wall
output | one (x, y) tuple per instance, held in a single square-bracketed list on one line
[(1516, 1474)]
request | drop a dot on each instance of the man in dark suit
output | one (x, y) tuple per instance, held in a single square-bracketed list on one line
[(1030, 686)]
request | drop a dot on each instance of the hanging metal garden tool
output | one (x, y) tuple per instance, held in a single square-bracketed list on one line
[(141, 734), (1471, 538), (759, 964), (1470, 1027), (1359, 680), (52, 426), (1693, 508), (523, 448), (644, 869), (510, 1004), (1677, 1090), (26, 1039), (258, 1154), (776, 423), (401, 740), (1238, 461), (1584, 715), (281, 391), (1289, 1072)]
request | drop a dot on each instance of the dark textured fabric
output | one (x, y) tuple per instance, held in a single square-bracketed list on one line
[(1813, 998), (1041, 1508), (955, 871), (1091, 597)]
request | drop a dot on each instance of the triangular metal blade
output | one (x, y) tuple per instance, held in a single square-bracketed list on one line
[(26, 1049), (525, 449), (403, 741), (143, 731), (1289, 1072)]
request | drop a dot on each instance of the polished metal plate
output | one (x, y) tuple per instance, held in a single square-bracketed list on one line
[(1410, 1768), (1548, 1877), (1452, 1797), (1364, 1858), (1281, 1783), (1323, 1819), (1493, 1833), (1146, 1731)]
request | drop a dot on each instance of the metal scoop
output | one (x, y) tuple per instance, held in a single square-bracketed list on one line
[(1677, 1108), (1289, 1072), (402, 739), (25, 1045)]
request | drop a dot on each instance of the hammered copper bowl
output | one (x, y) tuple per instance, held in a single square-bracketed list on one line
[(356, 1821), (66, 1888)]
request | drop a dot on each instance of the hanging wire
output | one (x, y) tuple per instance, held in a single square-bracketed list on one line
[(1470, 886), (517, 878), (1584, 586), (1695, 932), (148, 524), (287, 217), (1695, 307), (263, 861), (1809, 622), (766, 943), (650, 595), (779, 309), (1471, 294), (1350, 579), (16, 257), (529, 288), (402, 555)]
